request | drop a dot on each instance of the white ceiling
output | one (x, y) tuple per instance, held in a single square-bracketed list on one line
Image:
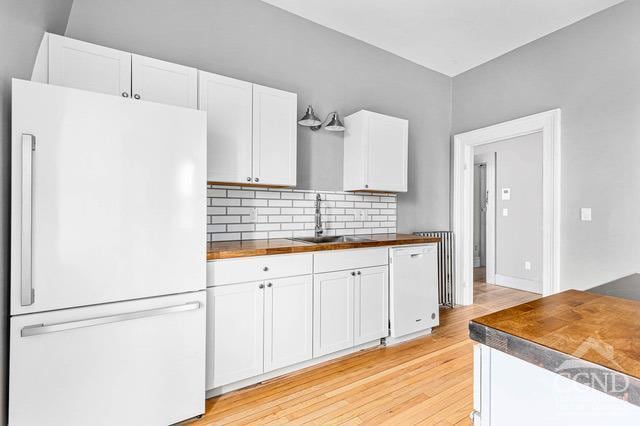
[(449, 36)]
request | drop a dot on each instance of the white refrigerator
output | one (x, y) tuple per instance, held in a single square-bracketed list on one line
[(108, 259)]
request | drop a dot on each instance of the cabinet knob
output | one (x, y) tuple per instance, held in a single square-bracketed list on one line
[(125, 95), (359, 273), (353, 274), (136, 96), (366, 186), (261, 286), (270, 285), (266, 268), (248, 178), (256, 179)]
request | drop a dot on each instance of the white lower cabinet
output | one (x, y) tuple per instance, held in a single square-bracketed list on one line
[(332, 312), (371, 298), (257, 327), (235, 322), (288, 316)]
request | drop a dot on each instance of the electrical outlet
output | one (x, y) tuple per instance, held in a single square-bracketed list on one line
[(253, 215), (585, 214), (527, 265), (505, 212)]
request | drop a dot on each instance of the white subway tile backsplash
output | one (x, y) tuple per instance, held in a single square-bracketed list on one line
[(287, 213)]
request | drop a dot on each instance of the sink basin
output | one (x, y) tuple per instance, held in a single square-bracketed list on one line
[(330, 239)]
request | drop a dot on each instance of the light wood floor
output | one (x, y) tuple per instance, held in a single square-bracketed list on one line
[(425, 381)]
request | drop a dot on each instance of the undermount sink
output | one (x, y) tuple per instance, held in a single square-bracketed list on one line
[(330, 239)]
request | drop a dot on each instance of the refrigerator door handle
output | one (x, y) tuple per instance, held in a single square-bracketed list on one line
[(37, 329), (26, 288)]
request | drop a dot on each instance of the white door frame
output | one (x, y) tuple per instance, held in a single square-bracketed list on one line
[(549, 124), (489, 159)]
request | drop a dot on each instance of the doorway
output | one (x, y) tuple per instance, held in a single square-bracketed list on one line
[(548, 125), (484, 217)]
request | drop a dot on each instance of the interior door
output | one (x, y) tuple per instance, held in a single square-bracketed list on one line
[(371, 304), (274, 136), (387, 153), (288, 321), (164, 82), (234, 333), (126, 363), (229, 105), (108, 198), (86, 66), (332, 312)]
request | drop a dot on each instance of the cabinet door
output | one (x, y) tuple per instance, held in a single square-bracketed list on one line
[(163, 82), (371, 304), (274, 136), (228, 103), (288, 314), (387, 143), (74, 63), (234, 333), (332, 312)]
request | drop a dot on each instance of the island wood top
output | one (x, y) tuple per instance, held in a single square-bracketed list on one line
[(602, 330), (231, 249)]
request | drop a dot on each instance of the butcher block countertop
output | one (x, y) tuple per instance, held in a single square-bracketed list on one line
[(231, 249), (574, 333)]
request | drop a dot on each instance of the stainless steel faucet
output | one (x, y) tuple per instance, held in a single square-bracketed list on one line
[(318, 228)]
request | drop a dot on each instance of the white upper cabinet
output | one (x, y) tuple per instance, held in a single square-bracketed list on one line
[(74, 63), (274, 136), (375, 152), (87, 66), (164, 82), (229, 105)]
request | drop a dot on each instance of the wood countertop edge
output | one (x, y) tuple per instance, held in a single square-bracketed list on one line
[(302, 247), (582, 371)]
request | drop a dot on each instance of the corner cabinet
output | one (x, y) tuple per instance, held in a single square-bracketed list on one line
[(64, 61), (375, 152), (252, 134)]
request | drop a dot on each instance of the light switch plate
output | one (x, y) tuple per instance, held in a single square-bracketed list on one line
[(506, 194), (527, 265), (585, 214), (505, 212)]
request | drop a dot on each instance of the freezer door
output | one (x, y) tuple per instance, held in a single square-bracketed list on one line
[(108, 198), (413, 289), (127, 363)]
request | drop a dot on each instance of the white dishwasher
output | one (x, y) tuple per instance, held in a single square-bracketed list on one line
[(413, 292)]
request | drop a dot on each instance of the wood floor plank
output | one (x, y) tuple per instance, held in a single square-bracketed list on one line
[(424, 381)]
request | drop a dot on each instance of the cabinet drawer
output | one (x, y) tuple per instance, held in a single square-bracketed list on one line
[(349, 259), (258, 268)]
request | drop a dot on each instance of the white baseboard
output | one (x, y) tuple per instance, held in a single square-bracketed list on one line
[(476, 262), (286, 370), (519, 283)]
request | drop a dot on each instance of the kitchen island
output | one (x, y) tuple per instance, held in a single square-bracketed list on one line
[(569, 358)]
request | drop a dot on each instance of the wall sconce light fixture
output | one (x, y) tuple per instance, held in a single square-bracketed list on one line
[(332, 123)]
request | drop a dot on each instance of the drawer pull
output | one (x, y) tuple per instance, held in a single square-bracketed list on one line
[(266, 268), (34, 330)]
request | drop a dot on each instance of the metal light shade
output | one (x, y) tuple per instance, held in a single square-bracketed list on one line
[(333, 123), (309, 118)]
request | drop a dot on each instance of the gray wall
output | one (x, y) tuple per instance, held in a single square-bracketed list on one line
[(253, 41), (518, 235), (592, 71), (22, 24)]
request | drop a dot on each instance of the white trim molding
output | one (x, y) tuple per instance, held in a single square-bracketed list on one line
[(518, 283), (548, 123)]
